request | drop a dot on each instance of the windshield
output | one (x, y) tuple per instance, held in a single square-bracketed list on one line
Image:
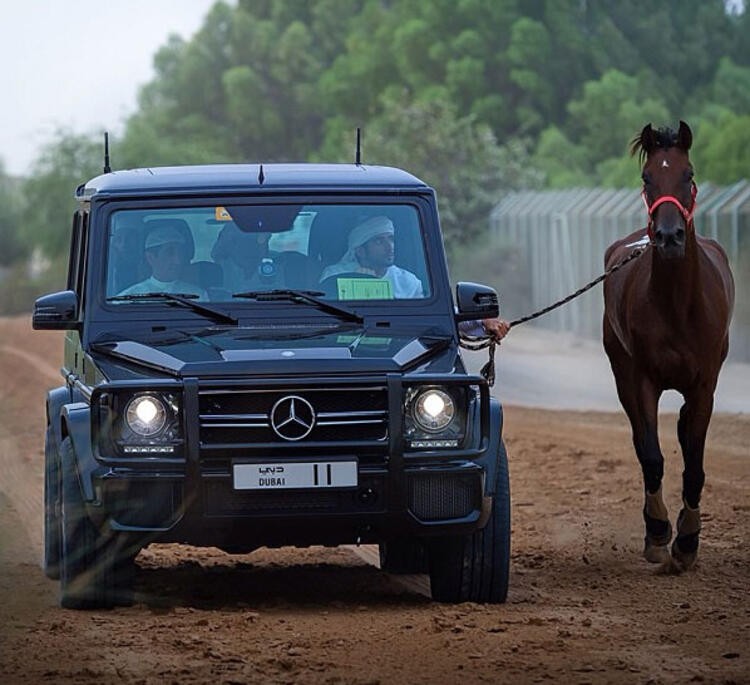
[(220, 253)]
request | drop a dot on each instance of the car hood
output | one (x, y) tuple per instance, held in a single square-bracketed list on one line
[(259, 352)]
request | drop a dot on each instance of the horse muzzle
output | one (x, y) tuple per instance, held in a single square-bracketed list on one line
[(669, 229), (669, 240)]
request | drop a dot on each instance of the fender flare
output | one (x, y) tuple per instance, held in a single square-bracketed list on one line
[(56, 400), (76, 424), (489, 459)]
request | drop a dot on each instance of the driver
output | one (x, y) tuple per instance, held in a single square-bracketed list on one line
[(166, 252), (371, 251)]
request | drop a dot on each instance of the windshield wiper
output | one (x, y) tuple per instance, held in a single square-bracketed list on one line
[(185, 299), (307, 296)]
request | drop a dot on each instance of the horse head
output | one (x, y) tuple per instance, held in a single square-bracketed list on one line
[(668, 187)]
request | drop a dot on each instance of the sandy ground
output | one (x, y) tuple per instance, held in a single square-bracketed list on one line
[(583, 606)]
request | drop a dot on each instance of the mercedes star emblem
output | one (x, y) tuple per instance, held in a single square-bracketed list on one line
[(292, 417)]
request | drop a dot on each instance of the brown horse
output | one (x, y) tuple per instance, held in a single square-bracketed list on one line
[(666, 326)]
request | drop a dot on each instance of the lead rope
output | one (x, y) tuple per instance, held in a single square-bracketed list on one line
[(475, 343)]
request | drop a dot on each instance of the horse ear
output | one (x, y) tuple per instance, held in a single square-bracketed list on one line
[(648, 139), (644, 142), (684, 136)]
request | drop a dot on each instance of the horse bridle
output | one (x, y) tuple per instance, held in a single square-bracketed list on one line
[(687, 214)]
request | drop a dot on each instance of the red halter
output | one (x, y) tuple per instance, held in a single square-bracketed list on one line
[(686, 214)]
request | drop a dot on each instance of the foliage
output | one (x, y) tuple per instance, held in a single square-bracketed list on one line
[(563, 162), (11, 216), (474, 96), (19, 288), (289, 81), (451, 152), (62, 166), (723, 154)]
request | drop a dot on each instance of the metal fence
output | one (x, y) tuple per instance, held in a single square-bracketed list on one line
[(560, 238)]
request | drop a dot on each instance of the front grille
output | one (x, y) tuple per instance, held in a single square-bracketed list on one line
[(343, 414), (434, 497)]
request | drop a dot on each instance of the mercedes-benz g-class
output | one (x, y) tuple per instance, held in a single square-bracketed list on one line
[(266, 356)]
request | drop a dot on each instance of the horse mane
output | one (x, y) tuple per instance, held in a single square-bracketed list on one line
[(664, 137)]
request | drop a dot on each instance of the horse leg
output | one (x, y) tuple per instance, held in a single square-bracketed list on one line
[(658, 528), (641, 402), (692, 427)]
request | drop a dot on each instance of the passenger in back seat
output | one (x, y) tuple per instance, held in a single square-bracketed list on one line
[(249, 264)]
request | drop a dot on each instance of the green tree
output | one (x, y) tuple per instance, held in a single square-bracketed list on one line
[(721, 152), (272, 80), (455, 154), (244, 88), (528, 53), (609, 112), (66, 162), (618, 172), (731, 86), (562, 162), (11, 214)]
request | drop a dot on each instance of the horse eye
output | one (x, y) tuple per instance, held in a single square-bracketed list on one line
[(646, 178), (689, 175)]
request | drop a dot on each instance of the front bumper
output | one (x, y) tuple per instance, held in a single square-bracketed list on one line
[(398, 493), (431, 500)]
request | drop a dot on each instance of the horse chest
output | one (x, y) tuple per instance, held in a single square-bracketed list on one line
[(670, 362)]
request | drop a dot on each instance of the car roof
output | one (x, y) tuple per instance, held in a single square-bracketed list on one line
[(237, 178)]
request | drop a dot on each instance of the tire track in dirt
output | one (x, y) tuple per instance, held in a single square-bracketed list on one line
[(25, 499), (37, 363), (22, 451)]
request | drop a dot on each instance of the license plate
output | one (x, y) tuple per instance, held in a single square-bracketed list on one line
[(304, 475)]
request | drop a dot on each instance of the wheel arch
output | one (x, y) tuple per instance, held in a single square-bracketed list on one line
[(490, 458), (75, 423)]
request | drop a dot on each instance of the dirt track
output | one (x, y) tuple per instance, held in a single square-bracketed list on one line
[(583, 606)]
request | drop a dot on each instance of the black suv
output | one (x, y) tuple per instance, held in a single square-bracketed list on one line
[(266, 356)]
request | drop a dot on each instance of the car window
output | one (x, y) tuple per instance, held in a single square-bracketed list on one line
[(345, 251)]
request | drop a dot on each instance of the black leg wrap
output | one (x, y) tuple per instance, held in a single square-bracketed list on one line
[(659, 532), (687, 544)]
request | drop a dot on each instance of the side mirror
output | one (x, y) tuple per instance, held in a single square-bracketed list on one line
[(57, 311), (476, 301)]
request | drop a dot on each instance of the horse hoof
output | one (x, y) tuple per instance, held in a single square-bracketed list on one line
[(685, 561), (656, 554)]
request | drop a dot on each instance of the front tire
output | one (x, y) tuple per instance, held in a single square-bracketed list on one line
[(52, 532), (476, 567), (92, 573)]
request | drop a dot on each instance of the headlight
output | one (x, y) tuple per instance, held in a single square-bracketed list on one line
[(433, 410), (145, 415), (436, 416), (137, 422)]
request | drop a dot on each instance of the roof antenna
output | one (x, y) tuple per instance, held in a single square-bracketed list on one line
[(261, 176), (358, 155), (107, 168)]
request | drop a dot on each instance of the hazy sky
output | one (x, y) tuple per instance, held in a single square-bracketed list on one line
[(78, 64)]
